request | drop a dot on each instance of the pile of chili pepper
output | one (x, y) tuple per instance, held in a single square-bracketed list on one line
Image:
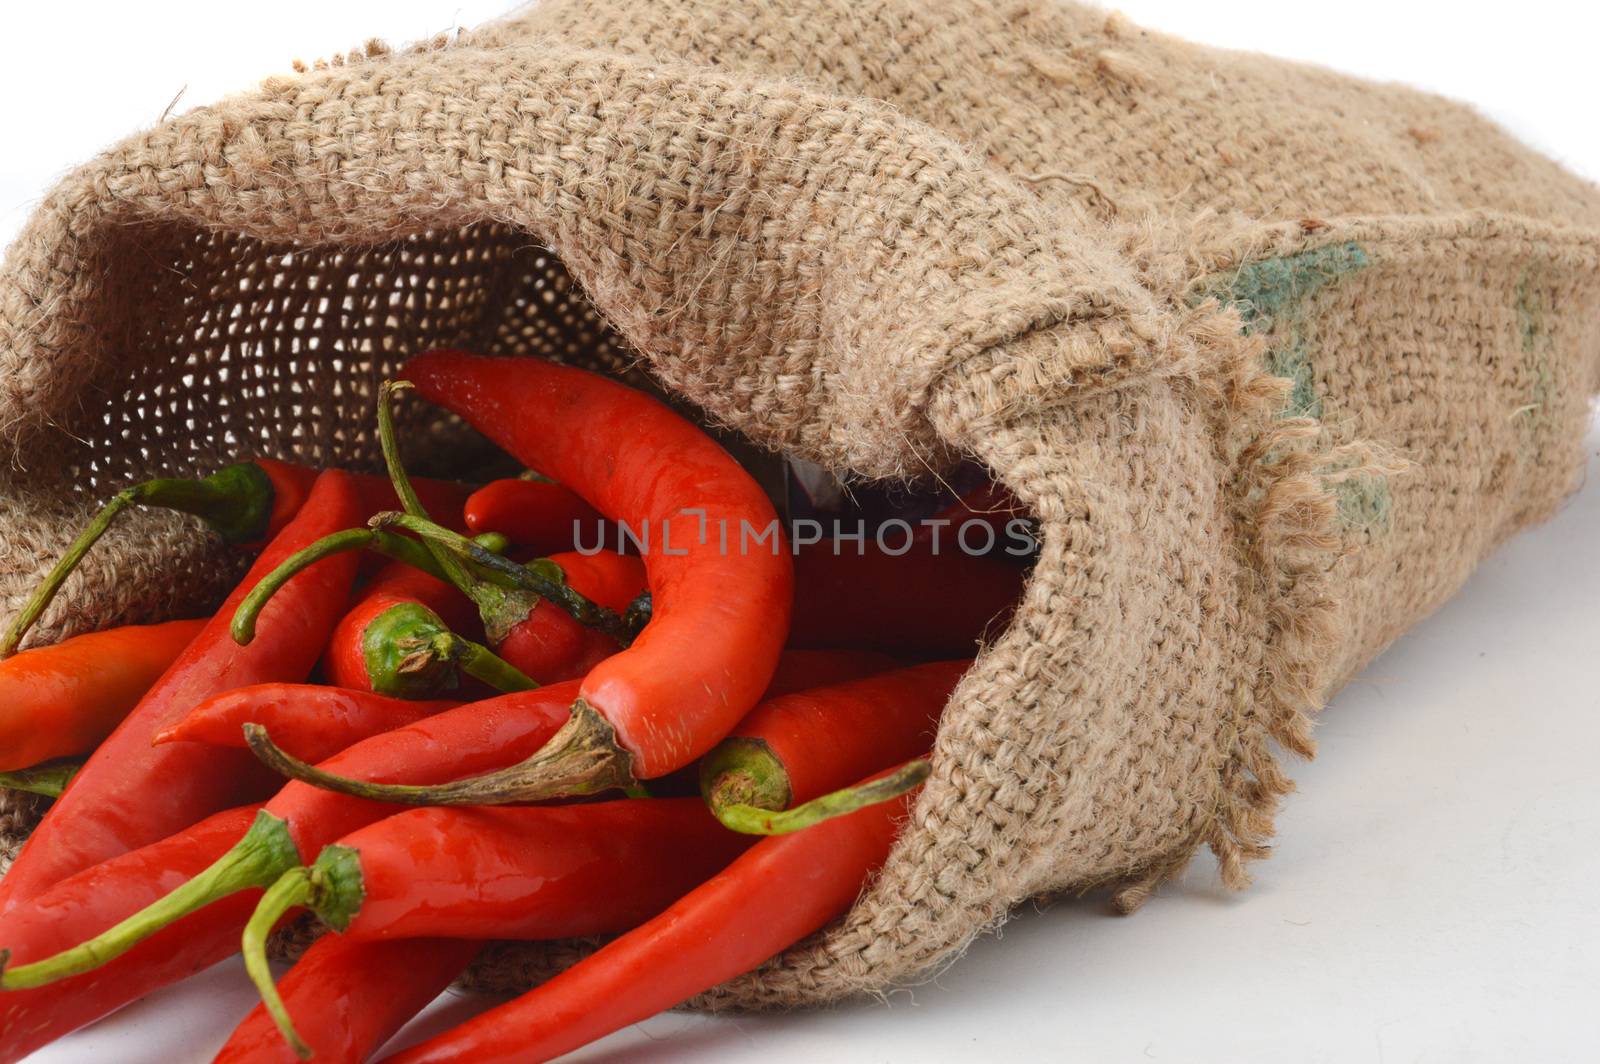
[(484, 733)]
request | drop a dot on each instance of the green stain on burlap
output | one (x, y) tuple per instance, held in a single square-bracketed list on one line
[(1271, 295)]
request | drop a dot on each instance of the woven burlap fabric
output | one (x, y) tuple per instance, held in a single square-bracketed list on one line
[(1275, 356)]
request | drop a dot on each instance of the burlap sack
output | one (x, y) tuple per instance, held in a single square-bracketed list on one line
[(1276, 357)]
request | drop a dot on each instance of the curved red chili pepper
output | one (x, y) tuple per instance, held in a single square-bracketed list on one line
[(539, 515), (781, 890), (720, 608), (97, 897), (131, 793), (63, 700), (310, 720), (918, 603), (793, 753), (348, 998)]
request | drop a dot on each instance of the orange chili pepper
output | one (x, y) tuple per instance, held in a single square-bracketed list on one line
[(62, 700)]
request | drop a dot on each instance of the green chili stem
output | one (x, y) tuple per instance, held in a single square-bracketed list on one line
[(48, 779), (256, 860), (542, 577), (390, 545), (753, 820), (500, 610), (244, 618), (744, 771), (236, 501), (293, 889), (409, 652), (333, 889), (478, 661), (453, 571), (582, 758)]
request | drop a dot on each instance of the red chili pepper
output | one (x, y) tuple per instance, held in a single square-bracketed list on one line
[(313, 721), (548, 644), (396, 643), (540, 515), (349, 997), (396, 584), (97, 898), (720, 606), (526, 872), (301, 819), (797, 670), (541, 637), (921, 602), (246, 503), (401, 639), (61, 700), (130, 792), (531, 873), (782, 767), (781, 890)]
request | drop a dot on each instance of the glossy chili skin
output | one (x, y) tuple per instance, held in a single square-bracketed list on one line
[(921, 603), (348, 998), (720, 614), (548, 644), (534, 872), (468, 739), (828, 737), (395, 584), (311, 721), (64, 699), (478, 737), (132, 792), (781, 890), (539, 515), (98, 897)]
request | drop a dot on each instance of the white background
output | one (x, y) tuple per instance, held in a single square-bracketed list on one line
[(1433, 894)]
